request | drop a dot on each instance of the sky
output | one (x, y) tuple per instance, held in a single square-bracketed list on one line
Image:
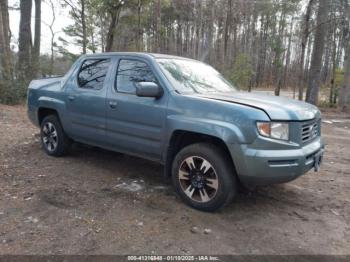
[(62, 20)]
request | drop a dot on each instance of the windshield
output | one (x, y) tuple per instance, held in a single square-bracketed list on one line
[(194, 77)]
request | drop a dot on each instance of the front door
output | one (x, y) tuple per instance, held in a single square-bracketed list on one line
[(86, 101), (135, 124)]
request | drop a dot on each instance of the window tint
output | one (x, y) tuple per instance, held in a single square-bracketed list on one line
[(92, 73), (130, 71)]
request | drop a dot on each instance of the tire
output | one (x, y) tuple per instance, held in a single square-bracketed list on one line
[(211, 181), (53, 139)]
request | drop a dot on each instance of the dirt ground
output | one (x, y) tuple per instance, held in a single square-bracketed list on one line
[(99, 202)]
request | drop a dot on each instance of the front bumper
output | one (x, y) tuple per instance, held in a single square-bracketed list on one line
[(257, 167)]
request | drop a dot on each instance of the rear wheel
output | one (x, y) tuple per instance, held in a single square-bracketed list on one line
[(204, 177), (53, 139)]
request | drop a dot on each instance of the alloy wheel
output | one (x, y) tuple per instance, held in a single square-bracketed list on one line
[(198, 179), (49, 136)]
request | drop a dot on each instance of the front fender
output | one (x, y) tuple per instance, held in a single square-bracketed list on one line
[(49, 102), (228, 132)]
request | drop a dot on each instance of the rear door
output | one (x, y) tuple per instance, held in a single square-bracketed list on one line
[(86, 100), (135, 124)]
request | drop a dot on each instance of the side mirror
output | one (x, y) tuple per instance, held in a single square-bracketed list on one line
[(148, 89)]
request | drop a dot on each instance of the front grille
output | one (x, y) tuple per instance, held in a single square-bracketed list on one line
[(309, 131)]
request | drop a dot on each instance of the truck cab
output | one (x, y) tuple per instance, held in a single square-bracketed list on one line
[(183, 114)]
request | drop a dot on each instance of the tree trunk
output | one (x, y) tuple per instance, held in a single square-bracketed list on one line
[(280, 51), (327, 56), (198, 30), (264, 24), (288, 55), (5, 51), (179, 39), (52, 36), (303, 47), (24, 44), (234, 40), (316, 60), (158, 26), (227, 26), (102, 32), (6, 94), (110, 33), (83, 25), (37, 34), (115, 12), (208, 44), (307, 60), (139, 32), (5, 24), (334, 65)]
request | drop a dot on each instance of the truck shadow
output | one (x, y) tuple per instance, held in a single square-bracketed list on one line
[(129, 168), (123, 166)]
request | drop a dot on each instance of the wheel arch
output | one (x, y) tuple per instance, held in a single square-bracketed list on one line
[(181, 138), (44, 112), (47, 105)]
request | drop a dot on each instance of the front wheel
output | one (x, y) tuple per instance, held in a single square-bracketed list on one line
[(53, 139), (204, 177)]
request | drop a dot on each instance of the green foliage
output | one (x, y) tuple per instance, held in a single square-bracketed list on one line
[(12, 88), (92, 18), (242, 71), (338, 82), (11, 92), (339, 77), (278, 49), (60, 67), (64, 52), (325, 104)]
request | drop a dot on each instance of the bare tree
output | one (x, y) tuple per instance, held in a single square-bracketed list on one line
[(78, 13), (227, 26), (304, 38), (114, 12), (158, 26), (25, 43), (316, 60), (5, 51), (139, 30), (5, 25), (37, 36), (6, 72), (53, 34)]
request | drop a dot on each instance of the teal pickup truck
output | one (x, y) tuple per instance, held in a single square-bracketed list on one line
[(181, 113)]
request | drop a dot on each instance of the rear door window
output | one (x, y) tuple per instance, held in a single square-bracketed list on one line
[(93, 72)]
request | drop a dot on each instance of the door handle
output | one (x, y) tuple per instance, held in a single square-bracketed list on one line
[(71, 98), (112, 104)]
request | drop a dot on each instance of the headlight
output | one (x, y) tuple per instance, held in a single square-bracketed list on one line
[(276, 130)]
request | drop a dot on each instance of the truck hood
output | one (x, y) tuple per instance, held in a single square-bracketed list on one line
[(45, 82), (276, 107)]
